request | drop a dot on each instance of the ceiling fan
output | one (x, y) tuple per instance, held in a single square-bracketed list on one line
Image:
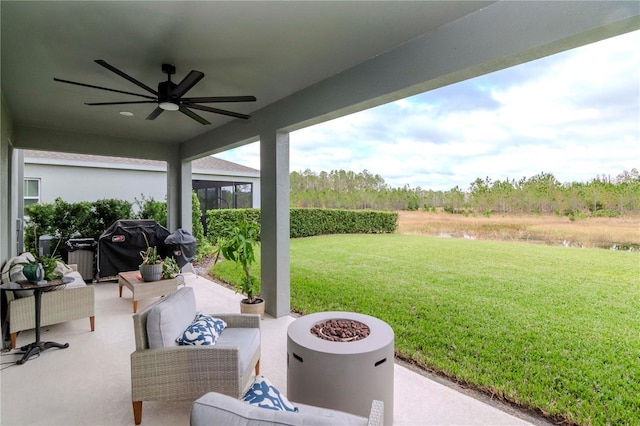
[(169, 95)]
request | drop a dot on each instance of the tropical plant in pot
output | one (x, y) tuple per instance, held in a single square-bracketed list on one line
[(238, 247), (152, 265)]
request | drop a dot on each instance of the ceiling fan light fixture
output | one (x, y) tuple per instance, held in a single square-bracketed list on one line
[(169, 106)]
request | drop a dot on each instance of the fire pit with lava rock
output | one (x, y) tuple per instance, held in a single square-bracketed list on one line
[(341, 360), (340, 330)]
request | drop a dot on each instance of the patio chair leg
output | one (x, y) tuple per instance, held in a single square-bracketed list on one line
[(92, 321), (258, 367), (137, 412), (14, 338)]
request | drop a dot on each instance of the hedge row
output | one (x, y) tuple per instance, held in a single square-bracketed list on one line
[(309, 222), (86, 219), (64, 220), (221, 222)]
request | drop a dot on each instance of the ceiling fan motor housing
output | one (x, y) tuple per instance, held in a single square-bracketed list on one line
[(164, 92)]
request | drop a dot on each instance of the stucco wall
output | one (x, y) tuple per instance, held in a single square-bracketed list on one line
[(74, 184)]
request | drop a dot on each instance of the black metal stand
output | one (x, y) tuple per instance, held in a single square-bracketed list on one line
[(36, 347)]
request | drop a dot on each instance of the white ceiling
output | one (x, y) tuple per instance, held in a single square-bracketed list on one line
[(305, 61), (269, 49)]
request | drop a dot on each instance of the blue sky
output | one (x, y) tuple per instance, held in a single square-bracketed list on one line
[(575, 115)]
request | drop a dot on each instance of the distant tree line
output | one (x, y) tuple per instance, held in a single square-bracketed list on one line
[(539, 194)]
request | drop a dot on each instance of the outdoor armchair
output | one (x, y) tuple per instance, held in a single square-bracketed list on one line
[(175, 372)]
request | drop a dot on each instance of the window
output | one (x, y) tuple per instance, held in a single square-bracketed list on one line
[(31, 191), (222, 195), (244, 195)]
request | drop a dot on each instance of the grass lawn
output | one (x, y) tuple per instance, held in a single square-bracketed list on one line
[(550, 328)]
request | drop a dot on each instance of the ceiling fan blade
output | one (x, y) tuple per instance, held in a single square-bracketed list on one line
[(156, 112), (101, 88), (193, 115), (215, 99), (123, 75), (187, 83), (120, 103), (217, 111)]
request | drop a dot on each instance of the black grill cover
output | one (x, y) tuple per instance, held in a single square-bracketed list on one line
[(181, 245), (119, 246)]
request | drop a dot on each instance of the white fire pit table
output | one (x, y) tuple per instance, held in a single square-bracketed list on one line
[(343, 375)]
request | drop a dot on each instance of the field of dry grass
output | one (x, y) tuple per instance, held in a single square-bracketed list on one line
[(591, 232)]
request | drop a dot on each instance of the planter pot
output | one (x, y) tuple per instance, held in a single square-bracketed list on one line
[(33, 272), (252, 308), (151, 272)]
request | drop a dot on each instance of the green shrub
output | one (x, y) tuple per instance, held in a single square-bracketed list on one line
[(220, 223), (152, 209), (308, 222), (59, 219), (203, 247), (605, 213), (64, 220), (107, 211)]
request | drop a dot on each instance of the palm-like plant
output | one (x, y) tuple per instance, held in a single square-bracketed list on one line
[(239, 247)]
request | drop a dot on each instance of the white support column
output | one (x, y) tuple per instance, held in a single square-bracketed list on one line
[(17, 200), (274, 234), (179, 189)]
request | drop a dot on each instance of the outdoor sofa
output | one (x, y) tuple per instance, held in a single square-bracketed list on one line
[(75, 301)]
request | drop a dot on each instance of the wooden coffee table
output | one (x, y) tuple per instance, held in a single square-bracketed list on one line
[(142, 289)]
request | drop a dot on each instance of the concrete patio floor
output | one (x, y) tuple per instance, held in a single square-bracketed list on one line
[(89, 383)]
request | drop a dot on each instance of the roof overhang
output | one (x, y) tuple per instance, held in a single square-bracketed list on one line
[(306, 62)]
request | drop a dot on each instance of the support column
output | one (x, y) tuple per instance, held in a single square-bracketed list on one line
[(17, 200), (179, 189), (274, 233)]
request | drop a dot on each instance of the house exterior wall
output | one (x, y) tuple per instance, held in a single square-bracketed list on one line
[(74, 184), (91, 182)]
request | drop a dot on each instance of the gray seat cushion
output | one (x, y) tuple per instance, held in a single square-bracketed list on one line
[(246, 339), (170, 318)]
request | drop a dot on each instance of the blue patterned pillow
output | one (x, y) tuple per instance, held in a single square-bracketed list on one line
[(204, 330), (263, 394)]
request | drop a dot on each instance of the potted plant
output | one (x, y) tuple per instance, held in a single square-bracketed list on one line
[(170, 268), (40, 268), (152, 265), (239, 247)]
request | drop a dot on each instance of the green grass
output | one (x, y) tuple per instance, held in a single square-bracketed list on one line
[(552, 329)]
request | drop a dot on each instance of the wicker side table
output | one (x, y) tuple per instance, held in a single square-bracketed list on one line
[(143, 289)]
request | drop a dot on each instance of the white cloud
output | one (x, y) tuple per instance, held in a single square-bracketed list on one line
[(575, 115)]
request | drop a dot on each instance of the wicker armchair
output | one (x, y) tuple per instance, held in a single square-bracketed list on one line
[(176, 373)]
